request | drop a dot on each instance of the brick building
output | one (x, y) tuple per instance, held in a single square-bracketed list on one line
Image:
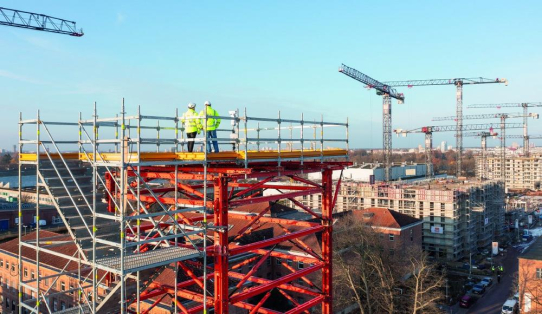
[(530, 278), (66, 286), (398, 232)]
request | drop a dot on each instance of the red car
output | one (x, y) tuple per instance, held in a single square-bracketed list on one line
[(466, 301)]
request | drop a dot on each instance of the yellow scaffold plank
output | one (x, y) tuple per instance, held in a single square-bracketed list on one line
[(195, 156)]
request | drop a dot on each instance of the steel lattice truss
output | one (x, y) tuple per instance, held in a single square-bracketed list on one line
[(532, 137), (480, 134), (480, 116), (455, 81), (40, 22), (466, 127), (521, 105), (371, 82)]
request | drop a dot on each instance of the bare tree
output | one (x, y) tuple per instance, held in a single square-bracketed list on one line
[(529, 284), (369, 278)]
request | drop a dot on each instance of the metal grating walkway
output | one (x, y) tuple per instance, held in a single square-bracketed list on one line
[(150, 259), (83, 309)]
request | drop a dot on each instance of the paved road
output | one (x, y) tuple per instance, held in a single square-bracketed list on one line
[(492, 301)]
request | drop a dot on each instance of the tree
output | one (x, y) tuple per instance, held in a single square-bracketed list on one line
[(6, 159), (375, 281)]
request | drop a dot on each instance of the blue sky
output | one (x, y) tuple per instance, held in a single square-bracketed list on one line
[(270, 56)]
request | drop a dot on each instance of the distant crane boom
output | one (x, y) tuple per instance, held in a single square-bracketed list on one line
[(480, 116), (371, 82), (387, 93), (455, 81), (525, 106), (428, 131), (40, 22), (458, 82)]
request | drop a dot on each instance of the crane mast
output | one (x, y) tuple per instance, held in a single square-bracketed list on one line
[(483, 136), (387, 94), (39, 22), (458, 82)]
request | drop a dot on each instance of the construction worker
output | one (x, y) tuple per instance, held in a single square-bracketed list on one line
[(212, 124), (501, 269), (192, 125), (493, 268)]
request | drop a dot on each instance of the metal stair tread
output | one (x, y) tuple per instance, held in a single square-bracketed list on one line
[(154, 258)]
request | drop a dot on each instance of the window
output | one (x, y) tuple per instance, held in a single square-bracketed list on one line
[(13, 267), (391, 236), (54, 305), (25, 272), (7, 264), (7, 302), (33, 275), (71, 289), (289, 262), (300, 265), (1, 263), (392, 251), (539, 273), (62, 305), (268, 261), (62, 286), (278, 261), (442, 206)]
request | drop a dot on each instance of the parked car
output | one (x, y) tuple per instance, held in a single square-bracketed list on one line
[(487, 281), (510, 307), (466, 301), (468, 285), (478, 289)]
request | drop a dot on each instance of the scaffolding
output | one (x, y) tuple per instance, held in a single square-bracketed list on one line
[(132, 213)]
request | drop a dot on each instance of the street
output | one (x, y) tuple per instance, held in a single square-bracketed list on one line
[(492, 301)]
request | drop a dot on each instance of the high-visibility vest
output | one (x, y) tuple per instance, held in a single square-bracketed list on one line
[(212, 122), (191, 125)]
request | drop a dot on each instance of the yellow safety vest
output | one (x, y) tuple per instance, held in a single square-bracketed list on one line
[(212, 122), (191, 125)]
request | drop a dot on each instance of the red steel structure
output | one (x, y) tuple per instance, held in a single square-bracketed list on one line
[(227, 181)]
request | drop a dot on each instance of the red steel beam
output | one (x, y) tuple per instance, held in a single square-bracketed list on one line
[(249, 306), (284, 286), (221, 282), (307, 305), (270, 198), (264, 243), (327, 244), (259, 304), (250, 292)]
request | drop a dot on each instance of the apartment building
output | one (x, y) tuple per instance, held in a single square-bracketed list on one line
[(66, 289), (530, 278), (521, 172), (458, 217)]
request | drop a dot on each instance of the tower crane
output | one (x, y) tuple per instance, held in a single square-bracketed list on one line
[(39, 22), (483, 156), (525, 106), (458, 82), (503, 125), (531, 137), (387, 94), (428, 131)]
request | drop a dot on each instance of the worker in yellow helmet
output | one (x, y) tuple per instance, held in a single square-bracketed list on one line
[(213, 122), (192, 125)]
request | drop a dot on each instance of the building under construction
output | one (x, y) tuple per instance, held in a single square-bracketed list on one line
[(458, 217), (136, 205), (521, 173)]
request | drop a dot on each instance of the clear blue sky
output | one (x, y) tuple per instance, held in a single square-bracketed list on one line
[(269, 56)]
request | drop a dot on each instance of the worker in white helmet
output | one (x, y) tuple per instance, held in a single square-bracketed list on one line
[(192, 125), (213, 122)]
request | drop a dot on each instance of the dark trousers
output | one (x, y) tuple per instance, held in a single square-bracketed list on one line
[(191, 143)]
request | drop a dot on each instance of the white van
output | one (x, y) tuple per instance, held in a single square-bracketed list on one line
[(510, 307)]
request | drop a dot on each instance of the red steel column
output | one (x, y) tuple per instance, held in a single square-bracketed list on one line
[(327, 253), (221, 244)]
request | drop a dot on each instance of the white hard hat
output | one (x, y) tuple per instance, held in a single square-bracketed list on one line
[(207, 103), (191, 105)]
